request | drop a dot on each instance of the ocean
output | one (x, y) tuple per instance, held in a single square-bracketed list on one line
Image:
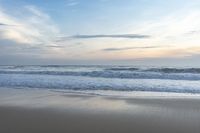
[(104, 79)]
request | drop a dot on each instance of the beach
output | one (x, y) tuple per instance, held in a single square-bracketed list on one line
[(38, 111), (99, 66)]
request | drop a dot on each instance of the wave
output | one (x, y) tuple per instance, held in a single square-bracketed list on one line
[(123, 69), (175, 70), (117, 78), (113, 74), (160, 70), (88, 83), (106, 68)]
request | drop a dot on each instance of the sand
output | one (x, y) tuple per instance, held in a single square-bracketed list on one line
[(39, 111)]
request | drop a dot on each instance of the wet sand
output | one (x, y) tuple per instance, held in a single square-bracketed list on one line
[(39, 111)]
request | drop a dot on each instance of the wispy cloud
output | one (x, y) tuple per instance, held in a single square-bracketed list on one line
[(177, 25), (128, 36), (33, 27), (103, 0), (129, 48), (2, 24), (72, 2), (193, 32)]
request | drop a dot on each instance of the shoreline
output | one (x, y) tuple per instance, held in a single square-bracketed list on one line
[(23, 111)]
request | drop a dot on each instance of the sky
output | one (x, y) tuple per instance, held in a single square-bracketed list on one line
[(123, 32)]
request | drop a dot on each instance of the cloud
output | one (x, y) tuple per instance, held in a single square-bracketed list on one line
[(55, 46), (103, 0), (37, 12), (72, 3), (4, 24), (30, 31), (28, 35), (194, 32), (129, 48), (32, 27), (126, 36), (177, 25)]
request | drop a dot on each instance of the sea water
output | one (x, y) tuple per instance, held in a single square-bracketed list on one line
[(102, 78)]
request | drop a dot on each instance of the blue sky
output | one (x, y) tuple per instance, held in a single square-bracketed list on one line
[(132, 32)]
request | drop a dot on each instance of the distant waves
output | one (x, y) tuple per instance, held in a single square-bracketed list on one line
[(181, 80), (115, 73)]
